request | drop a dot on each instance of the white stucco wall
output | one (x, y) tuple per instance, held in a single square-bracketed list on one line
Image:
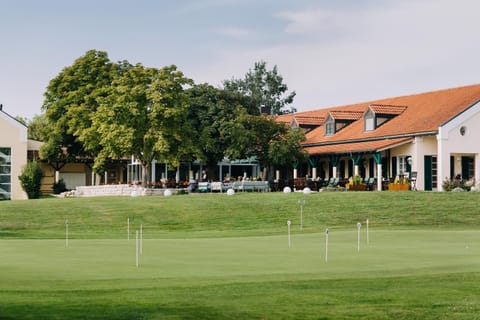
[(452, 142), (14, 135), (419, 148), (401, 151), (422, 146)]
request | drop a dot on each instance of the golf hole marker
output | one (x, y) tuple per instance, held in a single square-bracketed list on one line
[(288, 228), (301, 203), (368, 241), (66, 233), (136, 248), (326, 245), (359, 226)]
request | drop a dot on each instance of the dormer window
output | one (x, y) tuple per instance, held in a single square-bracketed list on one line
[(337, 120), (378, 114), (330, 127), (306, 123)]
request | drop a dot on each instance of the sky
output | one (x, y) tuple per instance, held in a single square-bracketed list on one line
[(330, 53)]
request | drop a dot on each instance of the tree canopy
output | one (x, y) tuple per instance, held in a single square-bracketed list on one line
[(144, 116), (215, 114), (265, 87), (99, 110), (71, 98)]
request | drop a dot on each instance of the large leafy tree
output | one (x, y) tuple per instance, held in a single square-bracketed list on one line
[(229, 125), (265, 87), (37, 127), (215, 114), (270, 142), (286, 147), (71, 98), (144, 115)]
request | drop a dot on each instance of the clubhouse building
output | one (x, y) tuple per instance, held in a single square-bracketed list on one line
[(426, 138)]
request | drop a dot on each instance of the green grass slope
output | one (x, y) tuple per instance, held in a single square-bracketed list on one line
[(219, 257)]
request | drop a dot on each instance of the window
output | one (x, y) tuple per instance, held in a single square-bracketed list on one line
[(329, 126), (434, 172), (5, 173), (329, 129), (402, 165)]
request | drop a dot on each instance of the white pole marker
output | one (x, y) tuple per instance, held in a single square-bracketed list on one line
[(288, 227), (326, 245), (368, 241), (301, 202), (66, 233), (141, 240), (136, 248), (359, 226)]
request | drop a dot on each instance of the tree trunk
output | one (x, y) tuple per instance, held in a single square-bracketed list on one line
[(146, 173)]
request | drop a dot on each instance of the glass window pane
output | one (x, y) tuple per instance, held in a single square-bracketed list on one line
[(5, 173)]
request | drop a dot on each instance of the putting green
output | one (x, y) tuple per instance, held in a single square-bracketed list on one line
[(388, 253)]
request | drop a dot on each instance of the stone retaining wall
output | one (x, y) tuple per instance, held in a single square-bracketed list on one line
[(118, 190)]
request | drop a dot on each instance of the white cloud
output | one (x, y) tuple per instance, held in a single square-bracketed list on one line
[(335, 54), (402, 48)]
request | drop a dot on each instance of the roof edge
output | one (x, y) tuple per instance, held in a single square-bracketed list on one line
[(399, 136)]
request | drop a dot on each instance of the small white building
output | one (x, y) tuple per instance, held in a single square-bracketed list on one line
[(13, 156)]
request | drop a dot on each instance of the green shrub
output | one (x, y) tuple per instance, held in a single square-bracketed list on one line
[(452, 184), (31, 178), (59, 187)]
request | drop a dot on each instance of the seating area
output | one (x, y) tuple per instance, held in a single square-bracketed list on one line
[(218, 187), (239, 186), (246, 185)]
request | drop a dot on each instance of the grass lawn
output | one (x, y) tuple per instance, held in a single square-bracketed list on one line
[(219, 257)]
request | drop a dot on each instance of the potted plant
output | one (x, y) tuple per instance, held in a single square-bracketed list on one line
[(400, 183), (356, 184)]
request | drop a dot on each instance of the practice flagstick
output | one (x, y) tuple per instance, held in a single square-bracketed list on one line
[(326, 245), (141, 240), (288, 227), (359, 226), (368, 242), (66, 233), (136, 248)]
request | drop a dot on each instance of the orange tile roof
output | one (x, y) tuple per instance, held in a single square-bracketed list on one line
[(346, 114), (285, 118), (305, 120), (387, 109), (367, 146), (424, 113)]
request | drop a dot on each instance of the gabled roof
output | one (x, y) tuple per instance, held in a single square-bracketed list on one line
[(416, 114), (14, 123), (309, 121), (387, 109), (346, 115), (10, 119)]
